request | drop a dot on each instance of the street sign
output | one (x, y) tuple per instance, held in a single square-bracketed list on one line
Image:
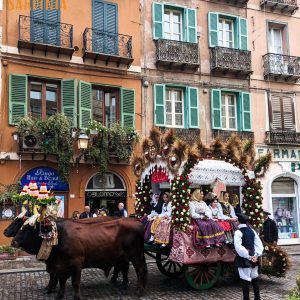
[(295, 166)]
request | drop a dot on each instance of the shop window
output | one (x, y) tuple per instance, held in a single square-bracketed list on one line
[(43, 99), (106, 106), (285, 210)]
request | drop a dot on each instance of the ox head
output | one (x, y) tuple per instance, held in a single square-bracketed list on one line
[(15, 225), (28, 237)]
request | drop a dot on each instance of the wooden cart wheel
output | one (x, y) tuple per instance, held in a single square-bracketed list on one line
[(167, 267), (202, 276)]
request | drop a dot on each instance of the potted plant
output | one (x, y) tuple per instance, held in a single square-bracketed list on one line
[(95, 128), (7, 253)]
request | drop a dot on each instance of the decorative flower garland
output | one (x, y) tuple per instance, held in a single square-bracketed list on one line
[(275, 261), (142, 195), (180, 189)]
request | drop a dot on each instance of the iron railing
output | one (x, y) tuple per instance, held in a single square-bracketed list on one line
[(169, 51), (289, 6), (114, 44), (225, 134), (230, 59), (282, 137), (282, 65), (39, 31), (190, 136)]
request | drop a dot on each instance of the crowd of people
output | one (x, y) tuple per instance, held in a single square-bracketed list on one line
[(103, 212)]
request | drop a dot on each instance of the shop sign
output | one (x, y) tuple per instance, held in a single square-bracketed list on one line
[(280, 153), (48, 175), (103, 194)]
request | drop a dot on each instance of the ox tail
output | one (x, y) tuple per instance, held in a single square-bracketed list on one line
[(144, 272)]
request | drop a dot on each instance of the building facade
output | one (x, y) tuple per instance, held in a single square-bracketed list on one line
[(81, 59), (216, 67)]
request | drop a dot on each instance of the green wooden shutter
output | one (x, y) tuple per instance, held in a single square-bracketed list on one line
[(216, 116), (85, 104), (69, 100), (243, 33), (159, 105), (193, 108), (191, 25), (246, 111), (157, 17), (213, 21), (128, 108), (17, 98)]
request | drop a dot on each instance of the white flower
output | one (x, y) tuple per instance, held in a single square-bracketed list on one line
[(257, 197), (177, 212), (182, 213), (184, 210), (251, 213), (248, 188), (256, 210), (176, 219), (181, 219)]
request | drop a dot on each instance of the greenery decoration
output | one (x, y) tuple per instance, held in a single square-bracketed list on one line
[(262, 164), (275, 261), (142, 196), (180, 191), (33, 200), (7, 249), (7, 192), (295, 293)]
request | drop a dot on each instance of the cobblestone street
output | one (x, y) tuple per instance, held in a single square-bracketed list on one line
[(29, 282)]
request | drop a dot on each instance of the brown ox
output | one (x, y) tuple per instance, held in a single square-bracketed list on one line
[(98, 245)]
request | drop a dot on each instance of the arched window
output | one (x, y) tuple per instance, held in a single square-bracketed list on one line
[(285, 210)]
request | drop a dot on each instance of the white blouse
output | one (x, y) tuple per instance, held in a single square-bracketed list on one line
[(232, 212), (199, 210), (217, 213), (166, 210)]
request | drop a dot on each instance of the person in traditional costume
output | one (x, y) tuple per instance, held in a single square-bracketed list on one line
[(156, 207), (163, 228), (217, 216), (228, 210), (248, 247), (207, 232)]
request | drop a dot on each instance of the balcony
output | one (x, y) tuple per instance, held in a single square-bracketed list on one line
[(284, 6), (107, 47), (238, 3), (177, 54), (281, 67), (226, 134), (230, 60), (190, 136), (41, 35), (280, 137)]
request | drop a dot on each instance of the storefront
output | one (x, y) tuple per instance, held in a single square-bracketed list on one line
[(50, 176), (281, 192), (105, 192)]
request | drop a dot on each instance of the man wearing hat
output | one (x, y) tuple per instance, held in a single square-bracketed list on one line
[(269, 231), (248, 247)]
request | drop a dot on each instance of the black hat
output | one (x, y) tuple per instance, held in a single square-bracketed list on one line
[(243, 219), (266, 213)]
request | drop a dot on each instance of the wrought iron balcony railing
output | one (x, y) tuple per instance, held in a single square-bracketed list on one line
[(281, 67), (287, 6), (39, 34), (231, 60), (280, 137), (107, 46), (176, 53), (225, 134), (190, 136)]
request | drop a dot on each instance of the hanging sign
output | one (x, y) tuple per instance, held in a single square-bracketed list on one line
[(48, 175)]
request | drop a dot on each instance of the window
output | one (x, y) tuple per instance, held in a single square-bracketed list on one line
[(229, 118), (285, 211), (172, 25), (226, 33), (281, 111), (43, 100), (172, 22), (174, 108), (105, 108), (231, 110), (277, 38)]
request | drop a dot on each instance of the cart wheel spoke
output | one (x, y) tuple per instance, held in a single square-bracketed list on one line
[(167, 267)]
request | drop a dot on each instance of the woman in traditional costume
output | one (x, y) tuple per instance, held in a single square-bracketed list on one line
[(228, 210), (217, 216), (163, 228), (207, 232)]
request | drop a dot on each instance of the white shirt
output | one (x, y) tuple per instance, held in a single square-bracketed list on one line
[(166, 210), (217, 213), (199, 209), (232, 212)]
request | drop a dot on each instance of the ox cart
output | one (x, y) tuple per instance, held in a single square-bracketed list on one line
[(168, 164)]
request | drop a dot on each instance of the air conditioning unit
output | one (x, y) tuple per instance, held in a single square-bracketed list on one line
[(30, 142), (108, 183)]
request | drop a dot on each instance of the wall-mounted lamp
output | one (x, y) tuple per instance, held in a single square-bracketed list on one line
[(82, 141)]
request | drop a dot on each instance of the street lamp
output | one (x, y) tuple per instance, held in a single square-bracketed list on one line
[(82, 141)]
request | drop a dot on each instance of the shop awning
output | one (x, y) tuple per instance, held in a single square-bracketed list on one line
[(207, 171)]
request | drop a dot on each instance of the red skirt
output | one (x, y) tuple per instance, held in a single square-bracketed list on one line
[(225, 225)]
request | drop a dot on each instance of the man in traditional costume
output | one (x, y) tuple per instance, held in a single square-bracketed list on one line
[(248, 247), (270, 230)]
